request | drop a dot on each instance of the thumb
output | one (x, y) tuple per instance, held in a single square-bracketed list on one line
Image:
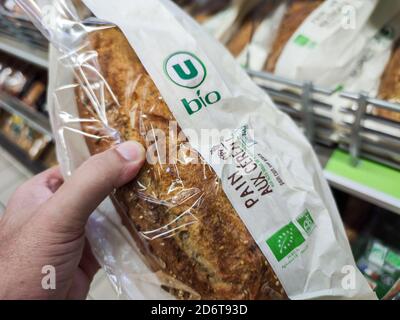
[(79, 196)]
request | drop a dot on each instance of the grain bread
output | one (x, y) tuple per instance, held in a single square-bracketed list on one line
[(390, 85), (297, 12), (211, 254), (249, 26)]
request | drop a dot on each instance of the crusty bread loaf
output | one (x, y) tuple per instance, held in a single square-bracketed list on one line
[(249, 26), (297, 12), (390, 85), (211, 254)]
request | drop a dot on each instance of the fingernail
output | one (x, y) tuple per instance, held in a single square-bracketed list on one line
[(131, 151)]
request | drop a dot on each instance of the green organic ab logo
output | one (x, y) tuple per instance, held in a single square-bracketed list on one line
[(185, 69), (306, 222)]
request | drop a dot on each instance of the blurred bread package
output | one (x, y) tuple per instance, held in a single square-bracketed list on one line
[(342, 45), (205, 9), (232, 202), (390, 85), (253, 37), (221, 23), (297, 12), (319, 47)]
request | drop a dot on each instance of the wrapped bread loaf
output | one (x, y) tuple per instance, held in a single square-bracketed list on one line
[(250, 24), (203, 10), (178, 213), (390, 85), (183, 3), (297, 12)]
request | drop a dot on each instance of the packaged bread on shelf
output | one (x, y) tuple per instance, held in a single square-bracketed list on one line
[(390, 85), (231, 202), (184, 3), (297, 12), (243, 36), (204, 10)]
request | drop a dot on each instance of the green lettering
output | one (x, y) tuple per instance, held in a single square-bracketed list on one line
[(188, 106), (192, 71), (213, 97)]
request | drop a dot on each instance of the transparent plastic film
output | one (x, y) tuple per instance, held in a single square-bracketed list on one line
[(187, 227)]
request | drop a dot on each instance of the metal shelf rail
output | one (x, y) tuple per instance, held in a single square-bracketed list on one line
[(24, 51), (363, 100), (34, 119), (311, 121), (354, 140), (34, 166)]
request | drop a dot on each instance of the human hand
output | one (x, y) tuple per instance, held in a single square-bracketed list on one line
[(44, 225)]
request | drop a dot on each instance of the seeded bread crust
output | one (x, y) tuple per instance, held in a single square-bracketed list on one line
[(297, 12), (200, 248)]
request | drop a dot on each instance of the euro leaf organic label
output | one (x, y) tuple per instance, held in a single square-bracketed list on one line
[(283, 242)]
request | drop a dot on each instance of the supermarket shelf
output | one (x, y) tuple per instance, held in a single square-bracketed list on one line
[(353, 188), (360, 191), (35, 119), (24, 51), (33, 166), (370, 181)]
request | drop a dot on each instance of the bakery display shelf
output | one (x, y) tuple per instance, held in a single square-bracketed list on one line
[(375, 145), (369, 180), (362, 158), (302, 101), (34, 119), (22, 50), (34, 166), (365, 190)]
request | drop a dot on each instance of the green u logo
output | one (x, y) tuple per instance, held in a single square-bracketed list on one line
[(185, 69), (191, 70)]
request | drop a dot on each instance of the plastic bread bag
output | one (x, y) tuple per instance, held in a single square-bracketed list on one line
[(231, 203)]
